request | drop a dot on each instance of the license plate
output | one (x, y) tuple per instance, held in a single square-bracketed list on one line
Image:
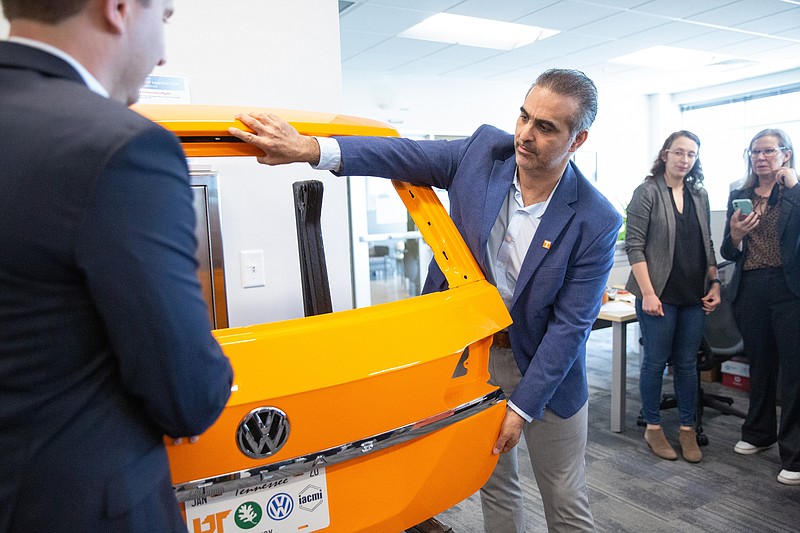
[(295, 504)]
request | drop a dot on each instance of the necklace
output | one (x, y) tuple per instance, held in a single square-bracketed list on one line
[(761, 204)]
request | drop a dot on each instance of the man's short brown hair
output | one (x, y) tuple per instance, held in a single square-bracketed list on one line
[(46, 11)]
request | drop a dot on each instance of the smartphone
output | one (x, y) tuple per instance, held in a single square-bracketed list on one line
[(745, 205)]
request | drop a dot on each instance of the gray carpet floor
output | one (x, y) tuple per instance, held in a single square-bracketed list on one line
[(632, 490)]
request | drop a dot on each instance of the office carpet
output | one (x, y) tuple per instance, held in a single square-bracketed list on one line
[(631, 490)]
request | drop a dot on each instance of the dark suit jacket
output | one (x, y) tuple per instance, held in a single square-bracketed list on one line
[(788, 232), (105, 342), (559, 290)]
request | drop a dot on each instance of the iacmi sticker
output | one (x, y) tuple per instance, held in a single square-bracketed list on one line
[(285, 505)]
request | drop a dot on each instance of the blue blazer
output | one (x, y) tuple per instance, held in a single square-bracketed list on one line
[(105, 341), (559, 290)]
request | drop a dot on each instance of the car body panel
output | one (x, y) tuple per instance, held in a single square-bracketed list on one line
[(391, 400)]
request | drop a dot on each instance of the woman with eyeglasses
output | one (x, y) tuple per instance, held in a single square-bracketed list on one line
[(765, 291), (674, 279)]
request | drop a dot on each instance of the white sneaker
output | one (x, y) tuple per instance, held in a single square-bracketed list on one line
[(745, 448), (787, 477)]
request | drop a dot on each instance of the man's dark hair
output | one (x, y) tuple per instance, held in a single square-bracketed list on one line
[(46, 11), (574, 83)]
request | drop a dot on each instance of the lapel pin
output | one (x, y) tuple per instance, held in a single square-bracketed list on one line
[(546, 244)]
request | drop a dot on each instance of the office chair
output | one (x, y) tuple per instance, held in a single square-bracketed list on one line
[(721, 341)]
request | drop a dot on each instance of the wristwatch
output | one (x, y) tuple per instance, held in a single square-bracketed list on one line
[(713, 281)]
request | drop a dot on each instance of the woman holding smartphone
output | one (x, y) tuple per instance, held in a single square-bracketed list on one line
[(765, 291), (674, 279)]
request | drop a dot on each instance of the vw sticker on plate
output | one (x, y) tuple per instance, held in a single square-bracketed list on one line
[(279, 506)]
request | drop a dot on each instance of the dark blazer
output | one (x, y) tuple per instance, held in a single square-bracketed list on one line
[(105, 343), (788, 232), (650, 232), (559, 290)]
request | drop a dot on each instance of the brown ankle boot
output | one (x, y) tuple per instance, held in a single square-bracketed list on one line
[(658, 443), (689, 448)]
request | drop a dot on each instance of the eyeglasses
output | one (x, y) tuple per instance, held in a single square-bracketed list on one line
[(768, 152), (680, 154)]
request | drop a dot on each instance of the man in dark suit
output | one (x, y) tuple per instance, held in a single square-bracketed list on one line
[(105, 343), (544, 235)]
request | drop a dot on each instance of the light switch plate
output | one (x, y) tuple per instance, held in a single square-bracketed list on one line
[(252, 268)]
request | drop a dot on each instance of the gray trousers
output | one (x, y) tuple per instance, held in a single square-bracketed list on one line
[(557, 448)]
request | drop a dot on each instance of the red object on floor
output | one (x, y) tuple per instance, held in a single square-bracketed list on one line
[(736, 382)]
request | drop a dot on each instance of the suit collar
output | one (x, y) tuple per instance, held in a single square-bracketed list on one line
[(500, 180), (21, 56), (555, 219)]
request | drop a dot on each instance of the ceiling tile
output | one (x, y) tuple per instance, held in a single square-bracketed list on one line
[(605, 51), (667, 34), (553, 48), (386, 19), (354, 42), (679, 9), (592, 32), (754, 46), (567, 15), (618, 4), (463, 55), (409, 48), (505, 10), (620, 25), (739, 12), (375, 62), (475, 72), (785, 20), (424, 67), (430, 6), (714, 40)]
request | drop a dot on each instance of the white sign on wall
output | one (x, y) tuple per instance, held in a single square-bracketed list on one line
[(165, 90)]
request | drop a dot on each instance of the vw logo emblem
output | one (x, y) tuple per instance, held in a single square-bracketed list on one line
[(280, 506), (262, 432)]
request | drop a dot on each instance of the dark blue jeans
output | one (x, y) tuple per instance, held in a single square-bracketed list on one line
[(674, 337)]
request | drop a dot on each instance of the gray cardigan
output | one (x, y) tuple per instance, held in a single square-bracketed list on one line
[(650, 231)]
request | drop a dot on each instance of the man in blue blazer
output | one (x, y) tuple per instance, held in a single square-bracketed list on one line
[(105, 342), (544, 235)]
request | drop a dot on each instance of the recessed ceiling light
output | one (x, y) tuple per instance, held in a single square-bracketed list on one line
[(671, 58), (473, 31)]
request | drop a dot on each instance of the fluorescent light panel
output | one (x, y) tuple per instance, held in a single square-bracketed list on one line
[(473, 31), (671, 58)]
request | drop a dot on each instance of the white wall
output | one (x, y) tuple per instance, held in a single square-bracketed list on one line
[(620, 135), (269, 54), (266, 53), (257, 211), (431, 104)]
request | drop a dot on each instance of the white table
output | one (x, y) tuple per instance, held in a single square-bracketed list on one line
[(620, 314)]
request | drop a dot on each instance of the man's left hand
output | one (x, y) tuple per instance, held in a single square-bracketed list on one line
[(510, 432)]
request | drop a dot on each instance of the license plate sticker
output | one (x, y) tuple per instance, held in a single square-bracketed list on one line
[(294, 504)]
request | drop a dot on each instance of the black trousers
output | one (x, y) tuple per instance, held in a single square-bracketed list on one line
[(768, 316)]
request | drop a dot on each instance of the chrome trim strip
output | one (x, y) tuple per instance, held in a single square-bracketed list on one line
[(248, 478)]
